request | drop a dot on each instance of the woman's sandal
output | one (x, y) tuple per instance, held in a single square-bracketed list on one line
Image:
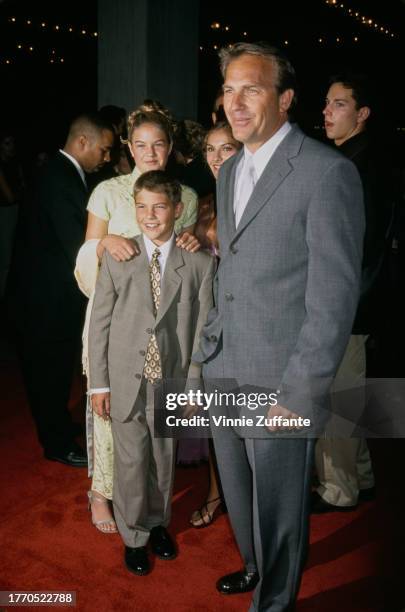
[(105, 525), (204, 516)]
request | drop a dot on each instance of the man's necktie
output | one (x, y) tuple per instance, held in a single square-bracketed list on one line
[(247, 183), (152, 369)]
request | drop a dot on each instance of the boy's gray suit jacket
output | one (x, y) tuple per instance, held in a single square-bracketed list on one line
[(122, 321)]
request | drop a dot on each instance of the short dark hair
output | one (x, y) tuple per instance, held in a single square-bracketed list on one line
[(358, 83), (159, 181), (286, 78), (90, 124)]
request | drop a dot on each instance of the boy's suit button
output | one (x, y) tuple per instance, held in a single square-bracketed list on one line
[(233, 250), (138, 376), (143, 353), (149, 330), (228, 297), (213, 339)]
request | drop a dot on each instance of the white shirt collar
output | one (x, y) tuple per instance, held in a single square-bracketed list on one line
[(164, 250), (76, 165), (262, 156)]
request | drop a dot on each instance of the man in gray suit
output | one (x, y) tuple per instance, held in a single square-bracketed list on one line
[(145, 323), (290, 229)]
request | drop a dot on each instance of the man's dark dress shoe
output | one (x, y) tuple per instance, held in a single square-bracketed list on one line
[(161, 544), (136, 560), (367, 495), (238, 582), (320, 506), (75, 457)]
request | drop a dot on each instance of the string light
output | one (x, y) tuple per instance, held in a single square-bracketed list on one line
[(56, 27), (366, 21)]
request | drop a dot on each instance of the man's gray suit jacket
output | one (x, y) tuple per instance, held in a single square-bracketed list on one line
[(122, 321), (287, 286)]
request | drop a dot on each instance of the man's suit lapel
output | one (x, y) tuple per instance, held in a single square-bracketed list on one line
[(229, 190), (73, 172), (171, 281), (276, 171)]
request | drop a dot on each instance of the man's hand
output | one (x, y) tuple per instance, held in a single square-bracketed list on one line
[(190, 410), (120, 248), (279, 411), (100, 402), (188, 242)]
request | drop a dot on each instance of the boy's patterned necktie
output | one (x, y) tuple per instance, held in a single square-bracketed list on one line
[(152, 369)]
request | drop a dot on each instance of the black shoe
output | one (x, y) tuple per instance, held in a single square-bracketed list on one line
[(136, 560), (74, 457), (238, 582), (161, 544), (320, 506), (367, 495)]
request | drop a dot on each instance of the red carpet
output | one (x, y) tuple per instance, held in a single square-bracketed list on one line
[(47, 541)]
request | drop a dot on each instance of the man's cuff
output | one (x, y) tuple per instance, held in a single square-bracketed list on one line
[(102, 390)]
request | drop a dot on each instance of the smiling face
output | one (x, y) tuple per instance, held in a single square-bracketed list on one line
[(149, 147), (156, 215), (342, 119), (253, 106), (220, 146)]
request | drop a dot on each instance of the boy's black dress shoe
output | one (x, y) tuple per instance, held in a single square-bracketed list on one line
[(238, 582), (75, 456), (136, 560), (320, 506), (161, 544)]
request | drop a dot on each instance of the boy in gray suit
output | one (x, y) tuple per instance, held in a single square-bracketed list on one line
[(144, 327)]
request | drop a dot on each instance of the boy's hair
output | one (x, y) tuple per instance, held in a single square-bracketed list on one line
[(159, 181), (362, 91)]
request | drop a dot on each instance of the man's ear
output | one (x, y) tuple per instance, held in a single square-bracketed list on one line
[(363, 114), (82, 141), (285, 99)]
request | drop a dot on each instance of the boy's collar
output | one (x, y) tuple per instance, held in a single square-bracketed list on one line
[(164, 248)]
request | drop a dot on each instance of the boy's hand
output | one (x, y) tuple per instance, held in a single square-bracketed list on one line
[(100, 402)]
